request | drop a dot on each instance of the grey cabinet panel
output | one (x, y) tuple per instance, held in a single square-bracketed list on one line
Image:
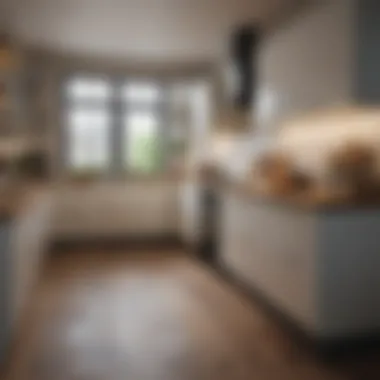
[(367, 78)]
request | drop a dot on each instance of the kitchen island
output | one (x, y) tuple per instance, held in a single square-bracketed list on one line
[(315, 265)]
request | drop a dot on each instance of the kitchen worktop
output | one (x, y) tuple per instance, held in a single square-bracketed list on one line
[(307, 201), (15, 197)]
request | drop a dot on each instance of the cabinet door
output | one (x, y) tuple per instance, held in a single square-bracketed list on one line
[(272, 249), (107, 210), (191, 208), (231, 248)]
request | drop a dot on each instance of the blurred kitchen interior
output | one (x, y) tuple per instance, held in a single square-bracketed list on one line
[(237, 142)]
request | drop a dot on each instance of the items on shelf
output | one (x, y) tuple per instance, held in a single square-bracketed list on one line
[(278, 176), (6, 53), (353, 168), (351, 176), (33, 164)]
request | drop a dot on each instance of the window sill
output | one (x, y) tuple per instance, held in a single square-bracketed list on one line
[(131, 178)]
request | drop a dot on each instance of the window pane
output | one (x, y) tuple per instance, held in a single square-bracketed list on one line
[(89, 89), (142, 153), (141, 93), (88, 142)]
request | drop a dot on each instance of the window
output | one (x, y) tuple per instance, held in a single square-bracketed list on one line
[(107, 122), (89, 89), (88, 140), (141, 123), (142, 153), (143, 93), (88, 125)]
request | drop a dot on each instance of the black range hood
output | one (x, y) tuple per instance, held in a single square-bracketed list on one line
[(243, 57)]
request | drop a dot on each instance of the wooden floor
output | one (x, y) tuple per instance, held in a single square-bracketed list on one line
[(155, 315)]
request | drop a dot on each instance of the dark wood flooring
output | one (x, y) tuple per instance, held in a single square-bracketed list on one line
[(155, 315)]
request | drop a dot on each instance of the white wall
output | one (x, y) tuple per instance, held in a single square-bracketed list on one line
[(163, 30), (201, 115), (307, 64)]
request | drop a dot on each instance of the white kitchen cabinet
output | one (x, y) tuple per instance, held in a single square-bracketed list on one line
[(190, 201), (117, 210), (321, 268)]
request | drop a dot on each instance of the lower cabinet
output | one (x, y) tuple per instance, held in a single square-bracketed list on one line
[(116, 210), (191, 212), (319, 267), (273, 251)]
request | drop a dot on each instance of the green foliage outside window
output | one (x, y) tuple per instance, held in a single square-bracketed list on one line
[(146, 154)]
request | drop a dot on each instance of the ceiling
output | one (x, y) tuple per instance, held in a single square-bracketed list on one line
[(159, 30)]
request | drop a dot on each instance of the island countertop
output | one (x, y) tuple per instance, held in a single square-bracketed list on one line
[(307, 201)]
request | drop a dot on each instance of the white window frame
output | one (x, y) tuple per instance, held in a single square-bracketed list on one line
[(118, 109)]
